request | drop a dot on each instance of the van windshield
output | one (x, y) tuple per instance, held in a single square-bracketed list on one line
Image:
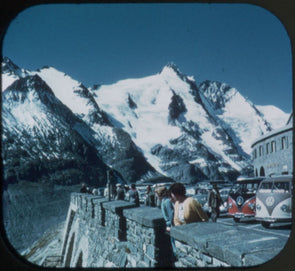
[(274, 187), (248, 188), (265, 187), (281, 187)]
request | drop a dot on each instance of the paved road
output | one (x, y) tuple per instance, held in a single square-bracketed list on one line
[(280, 231)]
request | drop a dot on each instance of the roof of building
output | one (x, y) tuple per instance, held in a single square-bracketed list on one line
[(287, 127), (290, 120)]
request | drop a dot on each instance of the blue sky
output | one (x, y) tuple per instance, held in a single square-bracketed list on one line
[(242, 45)]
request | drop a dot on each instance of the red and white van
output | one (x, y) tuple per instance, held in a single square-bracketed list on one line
[(242, 198)]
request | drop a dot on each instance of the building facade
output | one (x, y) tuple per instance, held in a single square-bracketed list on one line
[(272, 154)]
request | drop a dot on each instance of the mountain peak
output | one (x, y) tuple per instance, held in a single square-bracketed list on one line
[(172, 66), (171, 69)]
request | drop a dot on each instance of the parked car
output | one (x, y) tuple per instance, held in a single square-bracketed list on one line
[(201, 196), (224, 192), (203, 190), (274, 200), (242, 198)]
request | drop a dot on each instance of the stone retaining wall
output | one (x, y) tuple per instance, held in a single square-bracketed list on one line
[(102, 233)]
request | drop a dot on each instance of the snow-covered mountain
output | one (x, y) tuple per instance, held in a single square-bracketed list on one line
[(56, 131), (179, 128), (40, 136), (247, 121), (161, 124)]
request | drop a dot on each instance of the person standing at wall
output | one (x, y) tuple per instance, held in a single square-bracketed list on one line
[(167, 208), (112, 180), (186, 209), (133, 195), (149, 197), (83, 188), (126, 189), (95, 192), (120, 192), (160, 191), (214, 202)]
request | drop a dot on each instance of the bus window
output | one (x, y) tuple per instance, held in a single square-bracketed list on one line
[(252, 187), (281, 187), (265, 187), (236, 187)]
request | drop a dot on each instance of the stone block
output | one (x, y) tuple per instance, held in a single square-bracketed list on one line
[(206, 259), (231, 250), (109, 264), (184, 262), (179, 265), (142, 264), (117, 206), (219, 263), (144, 247), (150, 251), (261, 257), (147, 240), (195, 234), (133, 249), (191, 260), (147, 260), (146, 216), (132, 260)]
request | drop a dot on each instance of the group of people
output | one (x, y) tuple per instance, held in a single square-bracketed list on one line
[(86, 189), (123, 192), (117, 192), (184, 209), (177, 208)]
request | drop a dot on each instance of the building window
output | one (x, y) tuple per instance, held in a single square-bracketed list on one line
[(273, 146), (284, 143), (260, 151), (267, 148), (255, 154), (262, 172)]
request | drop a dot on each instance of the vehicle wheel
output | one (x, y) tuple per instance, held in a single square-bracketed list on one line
[(236, 219), (265, 224)]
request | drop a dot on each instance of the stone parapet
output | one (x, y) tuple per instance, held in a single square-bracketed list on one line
[(115, 221), (147, 239), (211, 244), (118, 234), (101, 233), (146, 216)]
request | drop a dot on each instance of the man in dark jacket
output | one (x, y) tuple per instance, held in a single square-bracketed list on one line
[(133, 195), (120, 192), (150, 197), (83, 188), (214, 202)]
